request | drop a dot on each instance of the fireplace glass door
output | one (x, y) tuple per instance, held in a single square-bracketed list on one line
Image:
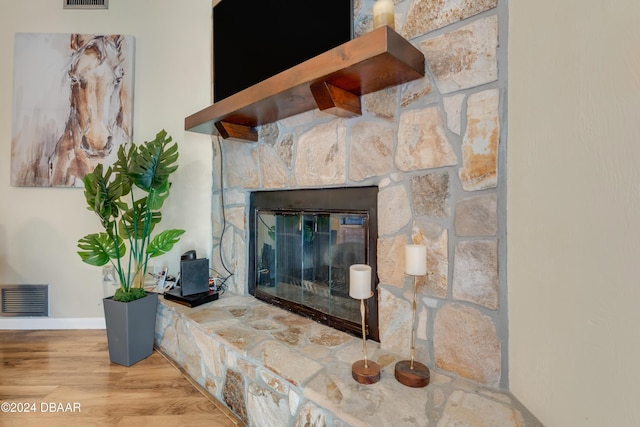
[(303, 258)]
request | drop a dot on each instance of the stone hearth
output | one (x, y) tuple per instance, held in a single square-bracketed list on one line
[(274, 368)]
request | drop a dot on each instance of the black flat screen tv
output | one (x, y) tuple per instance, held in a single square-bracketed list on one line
[(256, 39)]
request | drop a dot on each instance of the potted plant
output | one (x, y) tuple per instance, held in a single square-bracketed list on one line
[(128, 197)]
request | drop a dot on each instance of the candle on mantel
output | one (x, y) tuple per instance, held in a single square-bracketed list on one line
[(383, 13), (360, 281), (415, 260)]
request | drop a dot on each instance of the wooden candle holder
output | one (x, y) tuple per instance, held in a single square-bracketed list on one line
[(365, 372), (416, 376)]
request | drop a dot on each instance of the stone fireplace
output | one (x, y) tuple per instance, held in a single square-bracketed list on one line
[(435, 149)]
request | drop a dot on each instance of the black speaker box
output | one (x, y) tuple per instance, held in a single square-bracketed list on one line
[(194, 276)]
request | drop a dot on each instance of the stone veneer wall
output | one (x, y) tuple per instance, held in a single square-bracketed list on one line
[(436, 149)]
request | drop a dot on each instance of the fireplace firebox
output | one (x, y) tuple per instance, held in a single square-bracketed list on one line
[(302, 243)]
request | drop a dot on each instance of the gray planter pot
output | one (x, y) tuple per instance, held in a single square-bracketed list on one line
[(130, 328)]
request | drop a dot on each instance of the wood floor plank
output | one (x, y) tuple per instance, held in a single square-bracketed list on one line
[(136, 421), (65, 378), (9, 392)]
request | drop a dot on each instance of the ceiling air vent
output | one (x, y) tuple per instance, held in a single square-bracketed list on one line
[(24, 300), (86, 4)]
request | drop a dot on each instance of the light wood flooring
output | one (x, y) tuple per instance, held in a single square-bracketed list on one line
[(65, 378)]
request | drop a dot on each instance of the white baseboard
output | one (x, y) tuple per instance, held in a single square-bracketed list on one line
[(36, 323)]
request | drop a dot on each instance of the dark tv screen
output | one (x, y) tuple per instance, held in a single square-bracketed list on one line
[(256, 39)]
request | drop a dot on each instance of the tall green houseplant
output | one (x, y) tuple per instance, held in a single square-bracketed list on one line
[(127, 198)]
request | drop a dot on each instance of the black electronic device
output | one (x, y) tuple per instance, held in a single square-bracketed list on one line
[(193, 286), (257, 39), (191, 300), (194, 276)]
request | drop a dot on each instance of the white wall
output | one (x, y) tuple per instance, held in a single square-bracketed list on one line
[(39, 227), (574, 210)]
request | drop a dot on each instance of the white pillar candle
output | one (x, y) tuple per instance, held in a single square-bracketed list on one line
[(360, 281), (415, 260), (383, 13)]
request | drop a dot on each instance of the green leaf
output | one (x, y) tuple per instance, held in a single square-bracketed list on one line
[(98, 248), (132, 222), (123, 163), (163, 242), (103, 193), (158, 196), (154, 162)]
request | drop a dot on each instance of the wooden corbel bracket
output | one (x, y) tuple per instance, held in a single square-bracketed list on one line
[(233, 130), (333, 100)]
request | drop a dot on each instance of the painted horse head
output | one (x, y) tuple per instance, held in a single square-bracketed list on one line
[(98, 108), (96, 73)]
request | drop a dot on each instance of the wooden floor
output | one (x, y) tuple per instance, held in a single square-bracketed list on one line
[(65, 378)]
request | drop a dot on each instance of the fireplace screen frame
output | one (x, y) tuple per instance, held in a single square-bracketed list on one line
[(343, 200)]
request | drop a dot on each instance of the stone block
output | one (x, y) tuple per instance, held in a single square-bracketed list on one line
[(311, 416), (395, 316), (464, 58), (371, 150), (268, 133), (233, 395), (426, 15), (284, 148), (415, 90), (430, 194), (390, 270), (284, 361), (477, 216), (382, 103), (394, 209), (423, 141), (241, 165), (453, 110), (468, 409), (480, 143), (274, 171), (266, 408), (475, 272), (320, 155), (466, 343)]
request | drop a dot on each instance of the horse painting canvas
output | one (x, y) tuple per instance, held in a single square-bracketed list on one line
[(72, 106)]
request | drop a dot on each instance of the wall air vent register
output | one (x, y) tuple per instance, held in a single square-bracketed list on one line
[(85, 4), (24, 300)]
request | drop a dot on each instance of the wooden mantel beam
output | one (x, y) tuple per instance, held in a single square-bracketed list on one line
[(333, 81)]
